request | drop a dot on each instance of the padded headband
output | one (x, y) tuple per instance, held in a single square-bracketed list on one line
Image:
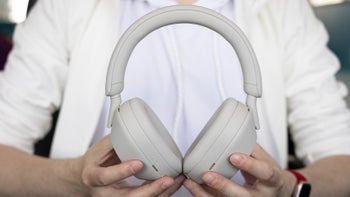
[(184, 14)]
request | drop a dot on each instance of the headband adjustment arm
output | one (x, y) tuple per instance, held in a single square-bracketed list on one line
[(115, 103), (251, 102)]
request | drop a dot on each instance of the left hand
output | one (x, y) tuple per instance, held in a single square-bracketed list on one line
[(262, 174), (101, 173)]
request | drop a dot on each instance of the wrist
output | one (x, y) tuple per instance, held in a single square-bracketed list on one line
[(302, 188), (290, 182), (76, 169), (69, 171)]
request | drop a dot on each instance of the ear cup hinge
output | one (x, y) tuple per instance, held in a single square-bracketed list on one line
[(115, 103), (251, 102)]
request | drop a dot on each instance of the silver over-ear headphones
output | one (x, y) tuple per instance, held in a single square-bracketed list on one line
[(137, 133)]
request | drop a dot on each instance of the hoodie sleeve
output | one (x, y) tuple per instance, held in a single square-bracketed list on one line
[(317, 114), (31, 86)]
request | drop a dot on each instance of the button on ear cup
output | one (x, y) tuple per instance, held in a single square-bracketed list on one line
[(231, 129), (137, 133)]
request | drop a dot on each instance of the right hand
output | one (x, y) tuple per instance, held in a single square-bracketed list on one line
[(102, 174)]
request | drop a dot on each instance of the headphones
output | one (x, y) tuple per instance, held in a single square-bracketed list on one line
[(137, 133)]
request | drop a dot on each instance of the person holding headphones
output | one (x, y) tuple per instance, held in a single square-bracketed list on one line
[(60, 59)]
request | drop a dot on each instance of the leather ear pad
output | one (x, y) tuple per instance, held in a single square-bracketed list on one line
[(137, 133), (231, 129)]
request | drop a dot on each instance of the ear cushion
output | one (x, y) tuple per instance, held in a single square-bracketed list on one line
[(230, 129), (137, 133)]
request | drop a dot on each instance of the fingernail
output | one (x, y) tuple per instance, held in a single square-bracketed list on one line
[(188, 185), (208, 178), (180, 179), (236, 159), (136, 166), (166, 184)]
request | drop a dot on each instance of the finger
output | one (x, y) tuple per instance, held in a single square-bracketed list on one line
[(224, 185), (105, 142), (262, 170), (249, 179), (195, 189), (260, 154), (103, 153), (177, 184), (101, 176), (154, 188)]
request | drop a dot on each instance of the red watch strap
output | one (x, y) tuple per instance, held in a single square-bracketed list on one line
[(298, 175)]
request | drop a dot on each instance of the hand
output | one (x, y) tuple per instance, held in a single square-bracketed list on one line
[(103, 174), (262, 174)]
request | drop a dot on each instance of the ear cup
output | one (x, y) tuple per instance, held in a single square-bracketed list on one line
[(231, 129), (137, 133)]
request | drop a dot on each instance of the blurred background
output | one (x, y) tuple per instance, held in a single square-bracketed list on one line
[(11, 13), (335, 14)]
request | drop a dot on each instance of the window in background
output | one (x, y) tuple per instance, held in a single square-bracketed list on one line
[(324, 2), (13, 11)]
